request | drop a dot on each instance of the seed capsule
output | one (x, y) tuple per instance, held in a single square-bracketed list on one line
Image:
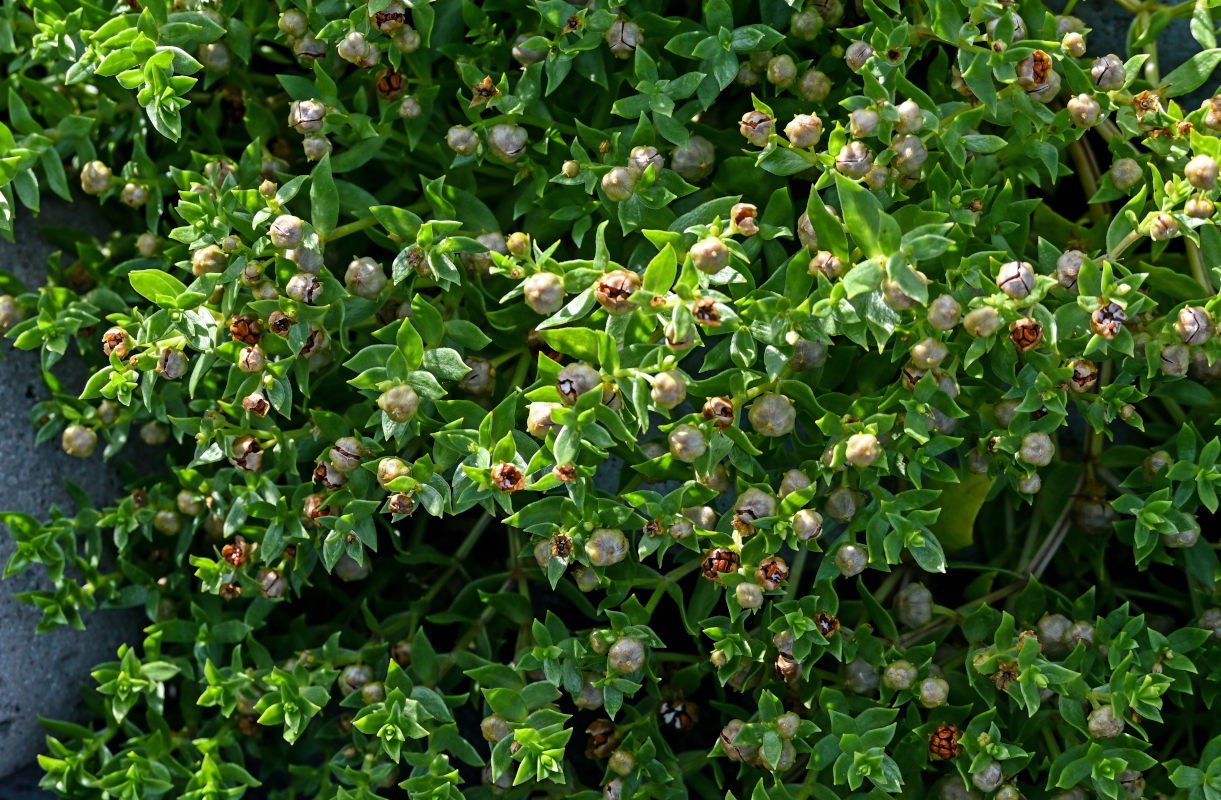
[(854, 160), (614, 291), (1016, 279), (710, 255), (757, 127), (694, 161), (544, 292), (804, 130), (1107, 73), (605, 547), (857, 54), (1108, 320), (623, 38), (1026, 334), (851, 560)]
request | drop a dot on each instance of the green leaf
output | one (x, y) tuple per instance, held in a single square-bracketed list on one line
[(1191, 74), (159, 286), (324, 198)]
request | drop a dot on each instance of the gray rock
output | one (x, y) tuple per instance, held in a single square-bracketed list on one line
[(41, 674)]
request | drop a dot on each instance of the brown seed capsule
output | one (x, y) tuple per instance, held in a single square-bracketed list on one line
[(719, 410), (172, 364), (246, 328), (614, 291), (772, 572), (719, 561), (705, 312), (280, 323), (1194, 325), (1085, 375), (116, 341), (561, 546), (601, 741), (256, 404), (326, 476), (788, 669), (400, 503), (678, 714), (507, 477), (390, 84), (743, 216), (943, 742), (827, 263), (230, 591), (235, 553), (247, 453), (1026, 334), (1107, 321), (827, 624)]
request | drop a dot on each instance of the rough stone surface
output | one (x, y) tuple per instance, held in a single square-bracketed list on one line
[(41, 674)]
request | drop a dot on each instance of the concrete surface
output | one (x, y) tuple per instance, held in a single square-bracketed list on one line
[(41, 674)]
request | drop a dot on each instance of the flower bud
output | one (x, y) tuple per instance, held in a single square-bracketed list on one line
[(854, 160), (1201, 172), (544, 292), (857, 54), (914, 605), (207, 260), (1107, 73), (862, 450), (79, 441), (623, 38), (781, 71), (315, 147), (807, 525), (1125, 173), (1174, 360), (293, 23), (1019, 27), (507, 142), (863, 122), (606, 546), (1073, 44), (982, 322), (287, 232), (669, 389), (619, 184), (772, 415), (364, 278), (988, 778), (687, 443), (934, 692), (851, 560), (306, 116), (1163, 227), (900, 675), (748, 595), (171, 364), (1103, 724), (1037, 449), (1084, 111), (710, 255), (399, 403), (757, 127), (1194, 325), (134, 195), (146, 244), (814, 86), (309, 48), (215, 56), (406, 39), (804, 130), (694, 161), (524, 55)]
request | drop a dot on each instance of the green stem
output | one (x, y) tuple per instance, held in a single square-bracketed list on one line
[(1127, 241), (350, 228), (1198, 270)]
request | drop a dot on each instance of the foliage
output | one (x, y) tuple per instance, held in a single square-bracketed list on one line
[(543, 413)]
